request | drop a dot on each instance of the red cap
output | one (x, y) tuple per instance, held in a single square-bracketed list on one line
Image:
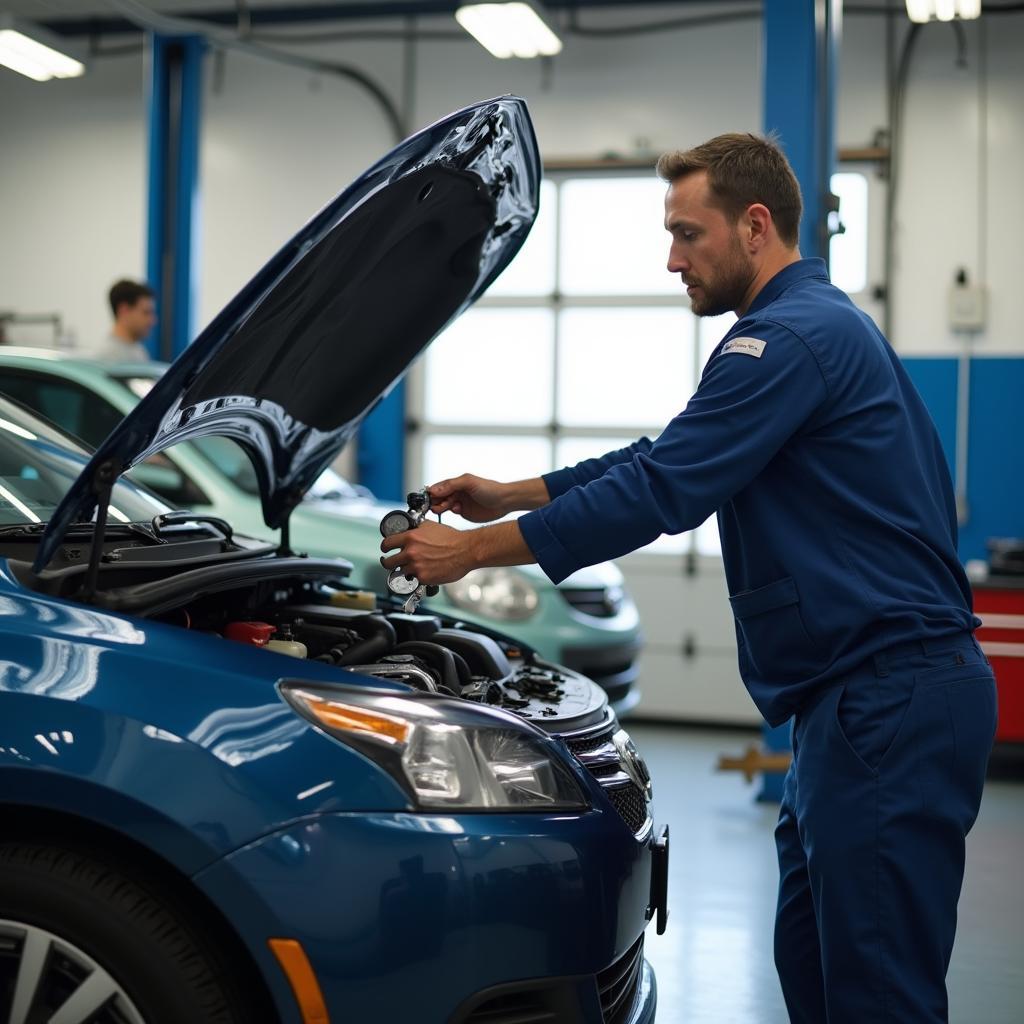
[(257, 633)]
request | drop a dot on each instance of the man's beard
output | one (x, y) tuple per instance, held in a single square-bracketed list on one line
[(728, 290)]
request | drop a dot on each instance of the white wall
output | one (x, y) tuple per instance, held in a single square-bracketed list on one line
[(72, 193), (278, 142), (946, 206)]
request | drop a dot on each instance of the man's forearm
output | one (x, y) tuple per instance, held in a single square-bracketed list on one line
[(500, 544), (526, 495)]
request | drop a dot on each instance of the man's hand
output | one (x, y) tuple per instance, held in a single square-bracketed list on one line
[(431, 552), (472, 497), (439, 554)]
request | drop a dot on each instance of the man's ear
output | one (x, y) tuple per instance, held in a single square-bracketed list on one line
[(757, 226)]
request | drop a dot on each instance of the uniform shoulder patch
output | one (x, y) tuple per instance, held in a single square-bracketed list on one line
[(748, 346)]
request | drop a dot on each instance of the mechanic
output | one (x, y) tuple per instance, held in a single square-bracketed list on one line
[(853, 612), (133, 306)]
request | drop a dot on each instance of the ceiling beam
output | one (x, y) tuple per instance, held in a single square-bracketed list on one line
[(301, 14)]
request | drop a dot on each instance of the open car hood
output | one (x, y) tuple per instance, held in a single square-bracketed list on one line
[(321, 334)]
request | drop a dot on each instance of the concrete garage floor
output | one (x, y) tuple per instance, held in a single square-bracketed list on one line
[(714, 964)]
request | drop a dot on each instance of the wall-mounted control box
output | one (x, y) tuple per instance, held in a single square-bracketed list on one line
[(967, 305)]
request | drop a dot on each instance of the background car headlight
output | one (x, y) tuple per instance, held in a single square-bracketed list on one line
[(442, 765), (504, 594)]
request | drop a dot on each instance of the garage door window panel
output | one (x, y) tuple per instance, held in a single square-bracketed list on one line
[(612, 239), (532, 272), (447, 455), (584, 344), (623, 367), (462, 385)]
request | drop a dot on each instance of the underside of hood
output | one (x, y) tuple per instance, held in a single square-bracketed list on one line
[(293, 364)]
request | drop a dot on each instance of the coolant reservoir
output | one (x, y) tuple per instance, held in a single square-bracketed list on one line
[(284, 643), (294, 648), (363, 600)]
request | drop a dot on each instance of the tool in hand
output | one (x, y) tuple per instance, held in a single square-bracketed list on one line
[(399, 521)]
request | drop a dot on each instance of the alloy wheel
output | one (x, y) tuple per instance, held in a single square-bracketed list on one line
[(45, 979)]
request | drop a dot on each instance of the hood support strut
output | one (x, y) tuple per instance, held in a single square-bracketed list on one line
[(103, 482), (285, 550)]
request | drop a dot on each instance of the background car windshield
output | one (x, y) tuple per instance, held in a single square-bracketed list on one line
[(37, 466), (230, 459)]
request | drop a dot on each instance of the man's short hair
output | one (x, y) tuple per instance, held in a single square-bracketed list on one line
[(743, 169), (127, 293)]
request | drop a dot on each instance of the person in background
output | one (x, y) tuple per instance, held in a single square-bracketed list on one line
[(134, 307)]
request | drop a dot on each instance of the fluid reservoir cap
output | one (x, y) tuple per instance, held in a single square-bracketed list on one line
[(257, 633)]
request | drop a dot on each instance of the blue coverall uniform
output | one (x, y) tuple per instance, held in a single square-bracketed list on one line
[(853, 617)]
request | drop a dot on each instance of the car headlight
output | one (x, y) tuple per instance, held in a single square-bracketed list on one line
[(437, 754), (504, 594)]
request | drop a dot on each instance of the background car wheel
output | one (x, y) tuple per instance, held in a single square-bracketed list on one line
[(82, 943)]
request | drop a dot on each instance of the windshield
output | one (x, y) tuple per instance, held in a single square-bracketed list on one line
[(37, 466)]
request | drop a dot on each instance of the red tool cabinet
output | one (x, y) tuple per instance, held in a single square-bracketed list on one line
[(999, 603)]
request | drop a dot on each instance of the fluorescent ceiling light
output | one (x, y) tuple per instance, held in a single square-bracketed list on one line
[(31, 50), (943, 10), (509, 30)]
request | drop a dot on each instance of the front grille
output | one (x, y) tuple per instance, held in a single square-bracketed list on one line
[(556, 1000), (617, 985), (596, 752), (630, 803), (588, 743), (601, 602)]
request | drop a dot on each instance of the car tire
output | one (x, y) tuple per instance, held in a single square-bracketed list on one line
[(69, 921)]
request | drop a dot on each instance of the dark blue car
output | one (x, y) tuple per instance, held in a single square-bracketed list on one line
[(234, 790)]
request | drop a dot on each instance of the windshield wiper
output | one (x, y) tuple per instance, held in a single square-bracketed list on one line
[(33, 529)]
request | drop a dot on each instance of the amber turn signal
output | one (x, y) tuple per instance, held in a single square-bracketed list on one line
[(297, 968), (334, 714)]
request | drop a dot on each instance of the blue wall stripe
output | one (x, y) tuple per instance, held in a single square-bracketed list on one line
[(995, 455), (936, 380)]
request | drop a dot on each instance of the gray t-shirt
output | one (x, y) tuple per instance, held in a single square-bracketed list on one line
[(113, 350)]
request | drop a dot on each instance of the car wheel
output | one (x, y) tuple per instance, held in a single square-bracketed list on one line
[(83, 943)]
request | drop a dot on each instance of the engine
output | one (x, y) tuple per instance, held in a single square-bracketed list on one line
[(352, 631)]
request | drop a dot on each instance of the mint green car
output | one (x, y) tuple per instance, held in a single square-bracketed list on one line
[(588, 622)]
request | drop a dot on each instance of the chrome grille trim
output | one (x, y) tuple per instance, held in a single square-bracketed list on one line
[(595, 750), (599, 602)]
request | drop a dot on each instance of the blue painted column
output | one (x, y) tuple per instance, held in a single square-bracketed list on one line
[(801, 49), (380, 457), (174, 79)]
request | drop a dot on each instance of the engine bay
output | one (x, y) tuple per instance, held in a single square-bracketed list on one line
[(358, 632)]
